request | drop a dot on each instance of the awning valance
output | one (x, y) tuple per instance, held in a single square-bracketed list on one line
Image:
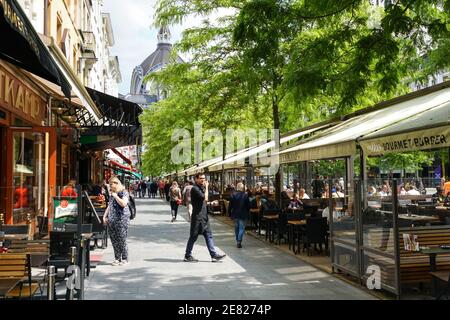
[(114, 110), (424, 131), (119, 123), (340, 140), (258, 155), (21, 45)]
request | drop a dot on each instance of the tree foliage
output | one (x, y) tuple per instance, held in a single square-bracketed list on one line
[(290, 63)]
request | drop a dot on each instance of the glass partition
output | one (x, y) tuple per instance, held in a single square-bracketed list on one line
[(344, 226), (378, 241)]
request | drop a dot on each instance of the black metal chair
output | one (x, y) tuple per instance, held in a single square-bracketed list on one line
[(263, 222), (42, 226), (315, 233), (60, 243), (441, 277)]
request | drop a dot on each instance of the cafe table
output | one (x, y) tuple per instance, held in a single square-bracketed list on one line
[(432, 253), (292, 226), (270, 224)]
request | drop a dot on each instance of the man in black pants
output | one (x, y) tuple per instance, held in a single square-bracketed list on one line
[(199, 221)]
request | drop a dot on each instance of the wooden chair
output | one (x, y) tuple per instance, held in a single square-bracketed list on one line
[(18, 266), (37, 249)]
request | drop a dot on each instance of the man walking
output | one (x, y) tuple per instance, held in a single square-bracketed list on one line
[(239, 211), (199, 221)]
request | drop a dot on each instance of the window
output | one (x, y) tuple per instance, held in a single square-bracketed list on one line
[(58, 30)]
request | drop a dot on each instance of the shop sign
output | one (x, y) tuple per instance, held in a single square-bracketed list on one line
[(18, 24), (20, 99), (66, 209), (420, 140)]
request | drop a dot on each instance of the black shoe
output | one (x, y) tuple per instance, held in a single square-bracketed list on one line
[(239, 245), (190, 259), (218, 257)]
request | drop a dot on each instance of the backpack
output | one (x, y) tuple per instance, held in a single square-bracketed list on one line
[(132, 207)]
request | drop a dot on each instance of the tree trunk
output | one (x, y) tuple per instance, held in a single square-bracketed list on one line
[(222, 172), (276, 126)]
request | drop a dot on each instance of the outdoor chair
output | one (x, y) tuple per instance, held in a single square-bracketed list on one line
[(441, 277), (42, 226), (60, 243), (280, 227), (315, 233), (263, 222), (17, 266)]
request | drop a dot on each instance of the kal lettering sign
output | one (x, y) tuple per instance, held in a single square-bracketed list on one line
[(20, 99)]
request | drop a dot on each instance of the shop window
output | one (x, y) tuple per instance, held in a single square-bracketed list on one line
[(28, 174)]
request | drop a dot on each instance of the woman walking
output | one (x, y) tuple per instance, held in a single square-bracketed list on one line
[(117, 218), (175, 199)]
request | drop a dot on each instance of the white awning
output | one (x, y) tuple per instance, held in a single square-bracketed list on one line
[(82, 96), (427, 130), (340, 140), (238, 160)]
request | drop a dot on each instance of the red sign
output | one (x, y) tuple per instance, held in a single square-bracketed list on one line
[(64, 204)]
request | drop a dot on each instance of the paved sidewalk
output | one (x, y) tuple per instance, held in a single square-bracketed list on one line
[(157, 271)]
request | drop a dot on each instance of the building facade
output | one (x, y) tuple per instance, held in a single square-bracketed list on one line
[(84, 34)]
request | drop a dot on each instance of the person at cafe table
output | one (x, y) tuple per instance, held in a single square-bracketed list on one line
[(447, 200), (439, 196), (295, 203)]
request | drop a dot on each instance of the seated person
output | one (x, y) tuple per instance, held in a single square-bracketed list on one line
[(439, 195), (412, 191), (302, 194), (326, 213), (447, 200), (402, 191), (384, 192), (295, 203), (69, 190), (371, 191), (338, 193)]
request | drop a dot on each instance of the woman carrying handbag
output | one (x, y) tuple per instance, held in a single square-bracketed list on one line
[(175, 199)]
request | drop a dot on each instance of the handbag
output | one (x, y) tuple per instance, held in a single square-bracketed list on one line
[(179, 201)]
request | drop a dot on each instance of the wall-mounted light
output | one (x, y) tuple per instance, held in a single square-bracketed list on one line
[(58, 110)]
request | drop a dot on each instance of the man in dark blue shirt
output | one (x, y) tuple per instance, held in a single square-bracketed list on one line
[(239, 211), (199, 220)]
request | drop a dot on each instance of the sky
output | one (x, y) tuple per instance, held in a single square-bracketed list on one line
[(135, 34)]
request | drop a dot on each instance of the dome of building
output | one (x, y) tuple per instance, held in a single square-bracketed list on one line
[(154, 62)]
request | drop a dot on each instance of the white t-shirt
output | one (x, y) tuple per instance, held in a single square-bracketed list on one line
[(413, 192), (305, 196), (326, 213)]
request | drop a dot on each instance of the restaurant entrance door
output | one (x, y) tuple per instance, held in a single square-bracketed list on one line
[(30, 173)]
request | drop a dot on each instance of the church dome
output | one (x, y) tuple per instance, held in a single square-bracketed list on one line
[(161, 55), (154, 62)]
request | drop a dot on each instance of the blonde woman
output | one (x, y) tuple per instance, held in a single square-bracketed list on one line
[(175, 199), (117, 218)]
